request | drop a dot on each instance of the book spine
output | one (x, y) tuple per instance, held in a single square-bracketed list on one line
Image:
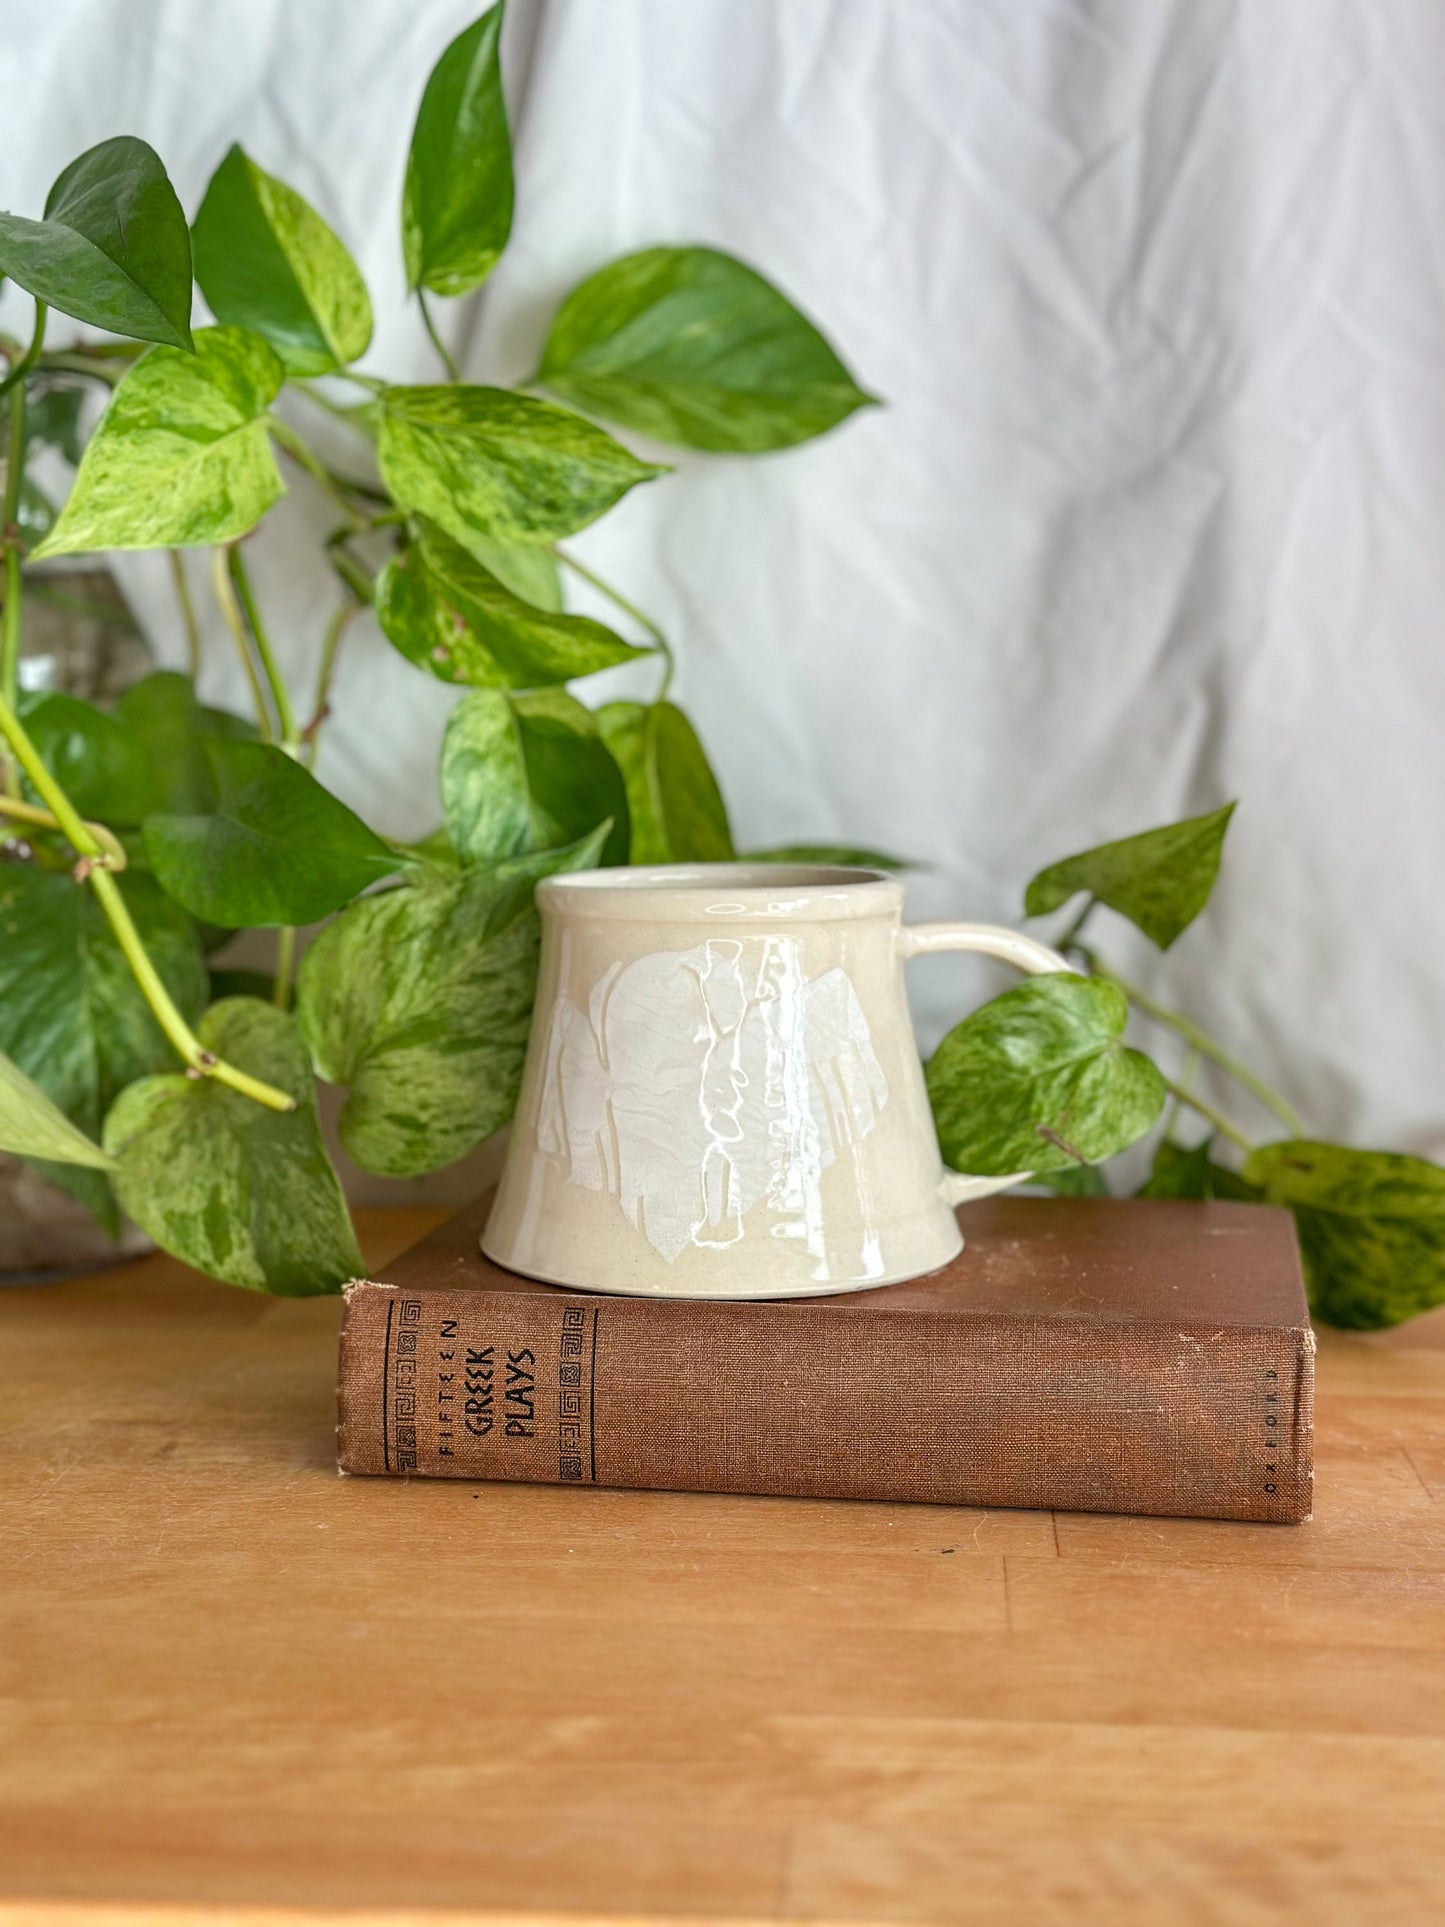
[(686, 1396)]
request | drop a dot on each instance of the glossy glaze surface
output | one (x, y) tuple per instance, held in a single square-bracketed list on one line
[(723, 1097)]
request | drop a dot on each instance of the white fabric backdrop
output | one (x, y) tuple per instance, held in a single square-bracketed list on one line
[(1155, 290)]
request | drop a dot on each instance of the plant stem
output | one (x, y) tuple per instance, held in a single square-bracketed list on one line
[(1209, 1114), (112, 350), (275, 681), (1070, 939), (10, 651), (109, 842), (336, 486), (349, 571), (68, 819), (187, 1045), (231, 610), (188, 613), (1185, 1082), (346, 566), (352, 572), (385, 519), (453, 372), (620, 601), (14, 466), (20, 369), (10, 531), (323, 400), (366, 490), (285, 967), (335, 628), (1204, 1044), (95, 868), (321, 702), (79, 364)]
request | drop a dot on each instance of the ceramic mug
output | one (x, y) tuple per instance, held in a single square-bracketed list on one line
[(722, 1096)]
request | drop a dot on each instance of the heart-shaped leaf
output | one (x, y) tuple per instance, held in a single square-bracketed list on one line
[(276, 849), (676, 808), (1193, 1173), (1371, 1227), (486, 462), (32, 1127), (266, 260), (241, 1192), (526, 773), (99, 764), (830, 856), (1160, 880), (146, 756), (113, 249), (449, 615), (71, 1016), (419, 999), (457, 204), (161, 714), (1040, 1079), (181, 455), (690, 346)]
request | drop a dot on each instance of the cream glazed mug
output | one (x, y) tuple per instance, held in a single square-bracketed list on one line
[(723, 1097)]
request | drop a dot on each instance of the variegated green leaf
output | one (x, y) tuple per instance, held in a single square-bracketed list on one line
[(71, 1015), (1160, 880), (523, 773), (242, 1192), (418, 1001), (1371, 1227), (32, 1127), (113, 249), (266, 261), (457, 204), (455, 619), (490, 463), (1193, 1173), (674, 803), (181, 455), (694, 347), (1040, 1079)]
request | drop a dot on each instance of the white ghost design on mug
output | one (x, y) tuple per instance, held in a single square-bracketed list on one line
[(698, 1083)]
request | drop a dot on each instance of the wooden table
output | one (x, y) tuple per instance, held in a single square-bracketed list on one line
[(230, 1680)]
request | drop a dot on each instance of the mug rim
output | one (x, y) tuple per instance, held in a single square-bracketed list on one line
[(667, 892)]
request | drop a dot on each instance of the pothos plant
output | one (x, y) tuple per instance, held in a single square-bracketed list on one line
[(138, 839)]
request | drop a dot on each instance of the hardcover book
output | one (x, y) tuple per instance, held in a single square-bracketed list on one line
[(1085, 1354)]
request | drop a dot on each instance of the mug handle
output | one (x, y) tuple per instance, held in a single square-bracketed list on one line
[(921, 940)]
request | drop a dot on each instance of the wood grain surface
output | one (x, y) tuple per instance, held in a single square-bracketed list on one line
[(235, 1687)]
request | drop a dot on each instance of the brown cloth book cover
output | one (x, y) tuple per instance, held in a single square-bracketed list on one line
[(1086, 1354)]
